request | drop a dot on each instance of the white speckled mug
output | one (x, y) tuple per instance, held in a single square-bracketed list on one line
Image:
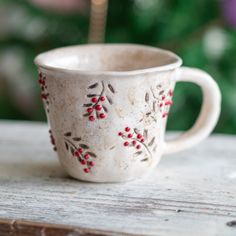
[(107, 106)]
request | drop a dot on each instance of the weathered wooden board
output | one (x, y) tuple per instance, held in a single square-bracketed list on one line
[(190, 193)]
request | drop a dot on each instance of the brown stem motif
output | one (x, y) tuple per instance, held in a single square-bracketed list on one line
[(79, 150), (158, 99), (44, 92), (133, 138), (96, 108)]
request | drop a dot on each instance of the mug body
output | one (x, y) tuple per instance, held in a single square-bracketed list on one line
[(107, 106)]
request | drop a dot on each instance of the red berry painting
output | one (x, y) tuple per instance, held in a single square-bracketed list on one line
[(80, 151), (44, 92), (100, 95), (138, 141), (52, 139), (158, 100)]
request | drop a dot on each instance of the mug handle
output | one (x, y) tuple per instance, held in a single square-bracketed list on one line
[(209, 113)]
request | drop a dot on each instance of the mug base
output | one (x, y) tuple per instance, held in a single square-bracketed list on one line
[(113, 179)]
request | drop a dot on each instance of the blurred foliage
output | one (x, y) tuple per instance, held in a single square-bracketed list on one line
[(196, 30)]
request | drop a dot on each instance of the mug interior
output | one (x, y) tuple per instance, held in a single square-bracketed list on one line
[(108, 58)]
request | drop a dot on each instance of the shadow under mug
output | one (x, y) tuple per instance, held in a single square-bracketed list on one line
[(107, 106)]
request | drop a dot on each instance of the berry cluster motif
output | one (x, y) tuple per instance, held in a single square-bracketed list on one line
[(44, 92), (158, 99), (80, 151), (52, 139), (133, 138), (96, 108)]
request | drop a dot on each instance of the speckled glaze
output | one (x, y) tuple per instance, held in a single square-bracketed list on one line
[(132, 87)]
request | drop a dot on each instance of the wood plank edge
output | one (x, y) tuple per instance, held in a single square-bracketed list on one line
[(28, 228)]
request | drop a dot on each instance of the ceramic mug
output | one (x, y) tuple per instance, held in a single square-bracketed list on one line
[(108, 104)]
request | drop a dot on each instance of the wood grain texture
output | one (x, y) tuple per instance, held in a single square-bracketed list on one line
[(190, 193)]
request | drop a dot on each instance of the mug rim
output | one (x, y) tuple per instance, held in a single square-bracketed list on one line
[(41, 58)]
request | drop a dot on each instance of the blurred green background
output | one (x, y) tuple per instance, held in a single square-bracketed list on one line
[(202, 32)]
